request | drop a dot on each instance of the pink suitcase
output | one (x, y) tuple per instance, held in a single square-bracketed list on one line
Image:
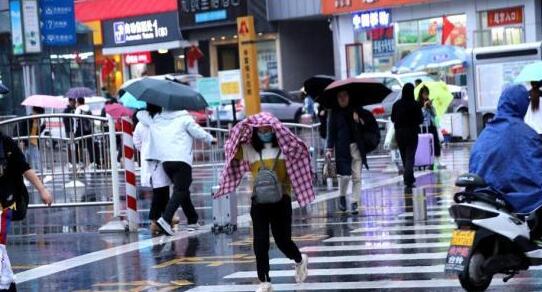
[(425, 152)]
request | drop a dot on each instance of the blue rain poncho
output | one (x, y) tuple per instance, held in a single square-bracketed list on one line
[(508, 153)]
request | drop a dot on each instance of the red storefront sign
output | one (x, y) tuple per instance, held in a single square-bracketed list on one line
[(330, 7), (138, 58), (506, 16)]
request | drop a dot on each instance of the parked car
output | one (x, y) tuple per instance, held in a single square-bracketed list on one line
[(280, 106), (396, 81)]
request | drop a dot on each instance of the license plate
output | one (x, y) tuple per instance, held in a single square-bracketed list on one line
[(463, 238), (459, 251)]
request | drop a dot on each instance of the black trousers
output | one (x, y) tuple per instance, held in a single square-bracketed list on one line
[(434, 131), (160, 199), (407, 141), (12, 288), (180, 174), (279, 216)]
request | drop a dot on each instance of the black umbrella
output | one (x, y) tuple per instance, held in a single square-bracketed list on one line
[(362, 92), (3, 89), (167, 94), (316, 85)]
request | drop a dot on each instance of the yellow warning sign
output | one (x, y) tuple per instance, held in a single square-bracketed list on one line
[(249, 65)]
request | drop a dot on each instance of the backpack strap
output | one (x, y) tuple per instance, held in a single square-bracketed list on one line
[(262, 165)]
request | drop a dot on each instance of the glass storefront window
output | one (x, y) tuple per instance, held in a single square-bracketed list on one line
[(407, 32), (267, 64), (354, 59), (498, 35)]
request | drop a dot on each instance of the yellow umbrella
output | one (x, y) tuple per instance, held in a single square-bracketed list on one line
[(439, 94)]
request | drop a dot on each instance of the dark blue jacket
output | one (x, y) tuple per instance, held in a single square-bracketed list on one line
[(508, 153)]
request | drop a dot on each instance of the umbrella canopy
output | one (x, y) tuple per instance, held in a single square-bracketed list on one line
[(129, 101), (362, 92), (117, 111), (439, 94), (45, 101), (167, 94), (3, 89), (79, 92), (431, 57), (316, 85), (531, 72)]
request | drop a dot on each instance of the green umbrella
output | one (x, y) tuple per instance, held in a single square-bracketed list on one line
[(439, 94), (167, 94)]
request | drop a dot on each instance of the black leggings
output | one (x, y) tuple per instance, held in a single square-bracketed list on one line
[(12, 288), (180, 173), (434, 131), (160, 199), (279, 216), (407, 141)]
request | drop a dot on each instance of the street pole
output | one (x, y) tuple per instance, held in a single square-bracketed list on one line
[(249, 66)]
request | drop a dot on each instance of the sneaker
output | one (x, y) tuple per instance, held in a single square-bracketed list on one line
[(355, 208), (194, 227), (166, 227), (301, 271), (265, 287), (176, 220), (342, 203)]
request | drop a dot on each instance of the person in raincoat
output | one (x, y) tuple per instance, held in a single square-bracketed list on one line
[(508, 153), (407, 117), (263, 139)]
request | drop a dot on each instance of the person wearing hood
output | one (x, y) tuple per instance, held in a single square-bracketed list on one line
[(83, 127), (172, 135), (508, 153), (407, 117)]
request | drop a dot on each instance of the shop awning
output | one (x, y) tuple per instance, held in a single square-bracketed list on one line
[(148, 47), (89, 10)]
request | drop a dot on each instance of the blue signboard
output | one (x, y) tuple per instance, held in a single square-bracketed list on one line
[(57, 22), (372, 19)]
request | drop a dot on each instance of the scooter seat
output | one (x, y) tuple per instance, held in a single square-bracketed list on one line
[(470, 181), (485, 195)]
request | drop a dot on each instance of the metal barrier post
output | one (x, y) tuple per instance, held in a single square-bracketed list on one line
[(129, 174)]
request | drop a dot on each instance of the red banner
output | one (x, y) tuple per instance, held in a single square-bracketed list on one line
[(138, 58), (506, 16)]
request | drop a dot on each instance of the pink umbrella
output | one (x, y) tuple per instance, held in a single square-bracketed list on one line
[(117, 111), (45, 101)]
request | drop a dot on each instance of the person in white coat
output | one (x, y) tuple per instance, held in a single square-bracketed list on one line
[(152, 176), (172, 135), (533, 118)]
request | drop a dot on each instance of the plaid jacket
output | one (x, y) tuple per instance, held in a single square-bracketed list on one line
[(297, 157)]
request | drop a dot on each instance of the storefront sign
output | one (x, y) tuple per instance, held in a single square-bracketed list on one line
[(249, 66), (332, 7), (209, 88), (16, 27), (383, 41), (141, 30), (57, 21), (506, 16), (210, 12), (230, 82), (372, 19), (138, 58), (31, 24)]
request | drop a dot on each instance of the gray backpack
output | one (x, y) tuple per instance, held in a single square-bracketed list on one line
[(267, 187)]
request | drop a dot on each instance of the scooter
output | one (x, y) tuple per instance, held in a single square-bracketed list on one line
[(490, 239)]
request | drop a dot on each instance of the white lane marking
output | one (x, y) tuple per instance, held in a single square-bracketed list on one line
[(89, 258), (365, 258), (374, 246), (389, 270), (384, 237), (404, 228), (375, 222), (429, 213)]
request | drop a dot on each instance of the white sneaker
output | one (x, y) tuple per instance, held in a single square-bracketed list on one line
[(166, 227), (301, 271), (194, 227), (265, 287)]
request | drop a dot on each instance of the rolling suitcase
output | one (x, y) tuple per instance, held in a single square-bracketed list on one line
[(224, 213), (425, 152)]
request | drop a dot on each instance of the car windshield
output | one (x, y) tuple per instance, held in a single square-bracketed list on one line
[(413, 78)]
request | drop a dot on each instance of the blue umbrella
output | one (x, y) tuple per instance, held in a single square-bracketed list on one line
[(3, 89), (531, 72), (129, 101), (431, 57)]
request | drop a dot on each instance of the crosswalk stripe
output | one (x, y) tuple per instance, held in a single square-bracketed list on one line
[(429, 213), (387, 237), (377, 222), (382, 284), (404, 228), (375, 246), (366, 258)]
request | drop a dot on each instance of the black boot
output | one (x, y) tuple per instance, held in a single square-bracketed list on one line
[(355, 209), (342, 203)]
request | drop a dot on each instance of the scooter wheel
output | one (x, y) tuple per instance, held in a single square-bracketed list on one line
[(473, 278)]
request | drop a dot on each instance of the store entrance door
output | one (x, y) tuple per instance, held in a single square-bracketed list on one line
[(228, 57)]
